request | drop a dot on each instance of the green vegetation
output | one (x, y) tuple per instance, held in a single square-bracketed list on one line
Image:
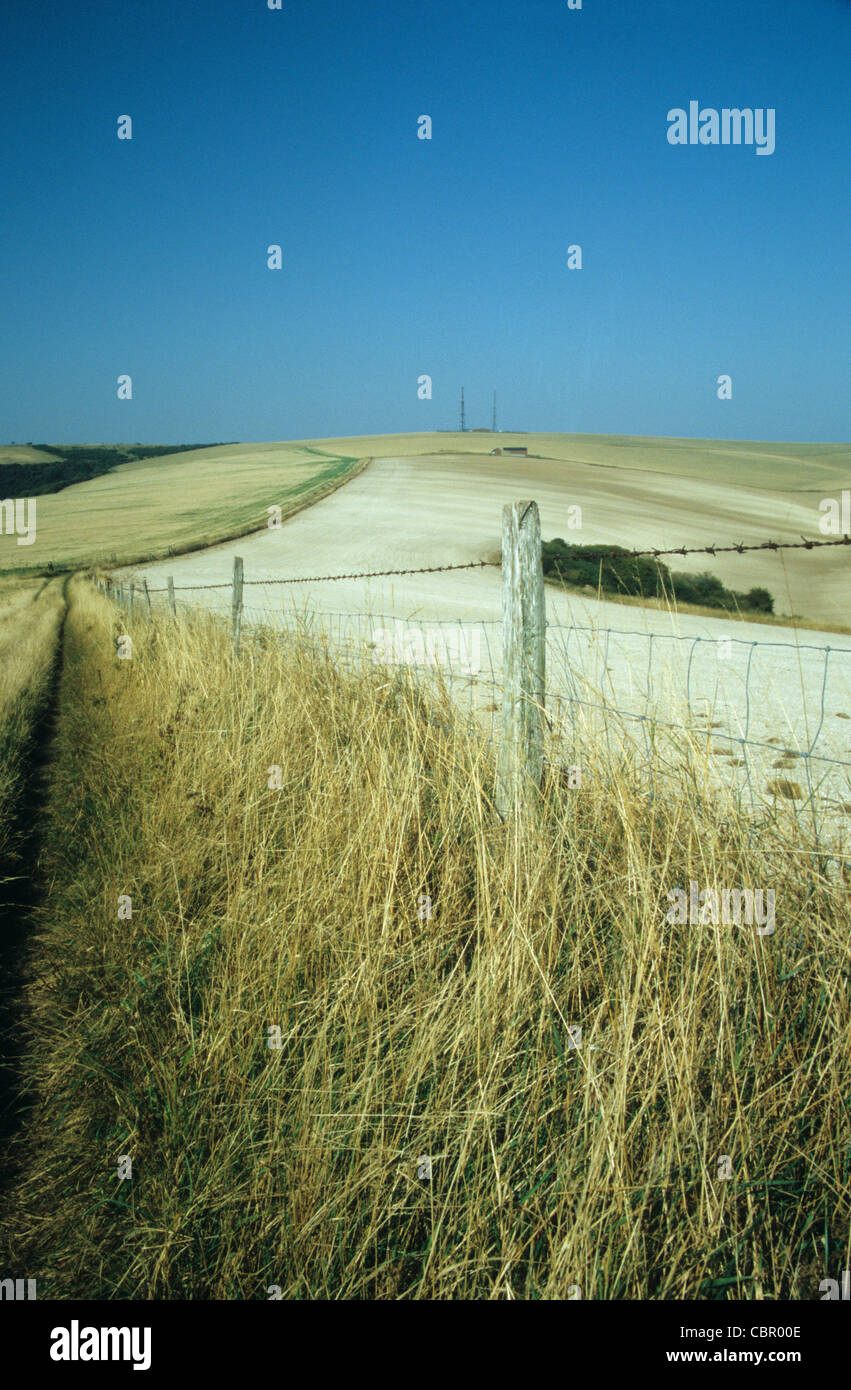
[(294, 1157), (170, 504), (638, 577)]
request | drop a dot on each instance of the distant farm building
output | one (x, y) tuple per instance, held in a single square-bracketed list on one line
[(512, 449)]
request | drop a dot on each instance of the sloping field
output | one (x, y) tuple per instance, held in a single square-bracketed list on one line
[(146, 509), (24, 453), (164, 505), (407, 512), (744, 463)]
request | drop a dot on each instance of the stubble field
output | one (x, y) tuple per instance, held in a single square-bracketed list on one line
[(410, 511)]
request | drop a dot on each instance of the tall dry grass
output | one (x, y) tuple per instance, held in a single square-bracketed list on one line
[(30, 617), (424, 969)]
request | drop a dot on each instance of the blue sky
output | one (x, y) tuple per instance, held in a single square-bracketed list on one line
[(402, 256)]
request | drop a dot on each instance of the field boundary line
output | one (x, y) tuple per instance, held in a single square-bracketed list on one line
[(739, 548)]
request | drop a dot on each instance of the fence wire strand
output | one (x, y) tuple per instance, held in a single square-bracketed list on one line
[(738, 548), (572, 694)]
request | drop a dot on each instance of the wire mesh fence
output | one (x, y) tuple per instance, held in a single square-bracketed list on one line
[(770, 719)]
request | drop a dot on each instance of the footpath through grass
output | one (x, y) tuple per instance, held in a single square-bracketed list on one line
[(31, 615), (289, 962)]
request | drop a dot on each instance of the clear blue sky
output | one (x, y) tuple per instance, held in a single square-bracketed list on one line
[(404, 256)]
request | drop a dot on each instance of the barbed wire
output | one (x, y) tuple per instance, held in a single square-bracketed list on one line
[(738, 548), (323, 578)]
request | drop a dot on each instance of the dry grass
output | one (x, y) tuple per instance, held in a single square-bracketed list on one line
[(403, 1034), (30, 614), (668, 605)]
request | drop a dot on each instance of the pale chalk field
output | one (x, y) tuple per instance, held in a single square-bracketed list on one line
[(634, 491), (410, 509)]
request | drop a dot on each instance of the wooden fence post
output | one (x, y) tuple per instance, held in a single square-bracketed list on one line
[(524, 643), (147, 596), (171, 603), (237, 602), (132, 594)]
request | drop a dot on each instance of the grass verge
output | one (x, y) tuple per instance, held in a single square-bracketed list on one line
[(337, 965), (30, 632)]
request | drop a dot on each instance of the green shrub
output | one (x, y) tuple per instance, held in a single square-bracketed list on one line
[(643, 577)]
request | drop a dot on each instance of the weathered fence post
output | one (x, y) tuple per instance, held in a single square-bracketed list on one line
[(132, 594), (171, 603), (147, 596), (237, 602), (524, 643)]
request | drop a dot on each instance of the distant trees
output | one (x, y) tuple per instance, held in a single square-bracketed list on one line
[(643, 577)]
